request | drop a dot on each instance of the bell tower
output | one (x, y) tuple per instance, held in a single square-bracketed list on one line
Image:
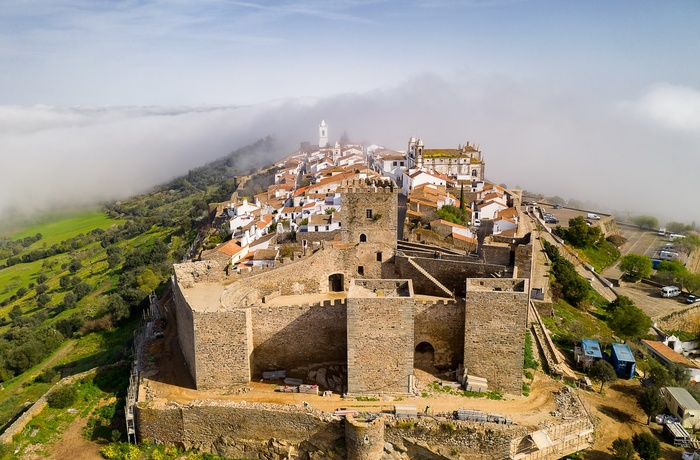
[(322, 134)]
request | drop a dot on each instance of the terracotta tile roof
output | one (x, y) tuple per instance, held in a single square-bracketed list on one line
[(458, 236), (449, 224), (230, 248), (301, 191), (265, 254), (319, 219), (668, 353)]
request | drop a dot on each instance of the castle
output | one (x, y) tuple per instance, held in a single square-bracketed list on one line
[(372, 307)]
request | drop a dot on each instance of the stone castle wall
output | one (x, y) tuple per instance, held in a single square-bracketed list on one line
[(239, 430), (185, 327), (380, 340), (442, 326), (224, 346), (494, 333), (298, 335), (364, 440), (450, 271), (259, 430)]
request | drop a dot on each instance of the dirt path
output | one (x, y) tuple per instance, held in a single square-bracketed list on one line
[(72, 444)]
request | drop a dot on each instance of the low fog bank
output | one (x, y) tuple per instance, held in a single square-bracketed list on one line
[(636, 154)]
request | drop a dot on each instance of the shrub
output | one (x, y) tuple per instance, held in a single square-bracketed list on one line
[(405, 424), (62, 397), (47, 376)]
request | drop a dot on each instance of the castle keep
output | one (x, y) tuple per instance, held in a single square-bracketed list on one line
[(366, 305)]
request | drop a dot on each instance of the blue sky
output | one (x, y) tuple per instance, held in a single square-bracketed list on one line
[(229, 52), (593, 100)]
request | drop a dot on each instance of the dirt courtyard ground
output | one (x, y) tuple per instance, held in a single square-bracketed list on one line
[(616, 412)]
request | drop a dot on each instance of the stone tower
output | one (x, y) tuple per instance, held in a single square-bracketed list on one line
[(322, 134), (369, 221), (380, 312)]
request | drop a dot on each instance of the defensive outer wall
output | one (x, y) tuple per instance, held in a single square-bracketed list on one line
[(259, 430)]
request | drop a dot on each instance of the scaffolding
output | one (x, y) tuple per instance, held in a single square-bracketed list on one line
[(143, 331)]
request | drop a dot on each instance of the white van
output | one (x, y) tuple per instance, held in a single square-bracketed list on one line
[(670, 291), (593, 216)]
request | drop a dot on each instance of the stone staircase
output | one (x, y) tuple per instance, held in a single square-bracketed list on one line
[(430, 277)]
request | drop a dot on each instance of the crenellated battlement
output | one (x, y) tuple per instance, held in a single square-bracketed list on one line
[(369, 186)]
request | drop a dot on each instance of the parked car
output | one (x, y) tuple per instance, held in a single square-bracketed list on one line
[(670, 291), (693, 299), (589, 223), (558, 206), (551, 220), (593, 216)]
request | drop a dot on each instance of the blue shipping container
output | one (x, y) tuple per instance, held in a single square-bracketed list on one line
[(623, 361)]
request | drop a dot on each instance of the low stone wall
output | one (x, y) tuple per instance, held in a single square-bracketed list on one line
[(36, 408), (238, 429)]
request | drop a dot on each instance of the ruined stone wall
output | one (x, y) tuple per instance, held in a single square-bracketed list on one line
[(298, 335), (307, 276), (185, 328), (259, 430), (240, 430), (205, 271), (364, 440), (430, 439), (224, 348), (498, 255), (312, 237), (451, 273), (441, 324), (495, 324), (380, 343), (523, 261)]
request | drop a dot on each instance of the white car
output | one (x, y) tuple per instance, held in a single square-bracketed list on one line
[(692, 299)]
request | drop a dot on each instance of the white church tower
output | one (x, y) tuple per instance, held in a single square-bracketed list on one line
[(322, 134)]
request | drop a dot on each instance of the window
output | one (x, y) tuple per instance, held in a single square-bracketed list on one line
[(361, 270), (379, 256), (368, 213), (402, 163), (315, 228), (363, 238), (474, 172), (394, 164)]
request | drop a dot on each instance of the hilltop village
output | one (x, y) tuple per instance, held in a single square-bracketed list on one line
[(382, 304), (381, 294)]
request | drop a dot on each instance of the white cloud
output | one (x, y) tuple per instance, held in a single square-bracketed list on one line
[(543, 138), (671, 106)]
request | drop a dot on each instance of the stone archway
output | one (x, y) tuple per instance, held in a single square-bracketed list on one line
[(363, 238), (424, 356), (336, 282)]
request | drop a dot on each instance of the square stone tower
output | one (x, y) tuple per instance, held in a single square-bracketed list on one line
[(380, 337), (494, 330), (369, 210)]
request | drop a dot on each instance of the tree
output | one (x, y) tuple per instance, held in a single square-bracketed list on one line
[(647, 446), (69, 300), (64, 281), (623, 449), (42, 299), (82, 289), (627, 320), (603, 371), (677, 227), (651, 402), (114, 256), (636, 266), (646, 221), (75, 265)]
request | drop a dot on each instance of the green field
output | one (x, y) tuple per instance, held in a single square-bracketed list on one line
[(57, 228)]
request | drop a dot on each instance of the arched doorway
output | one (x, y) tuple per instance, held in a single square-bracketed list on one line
[(424, 356), (363, 238), (335, 283)]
